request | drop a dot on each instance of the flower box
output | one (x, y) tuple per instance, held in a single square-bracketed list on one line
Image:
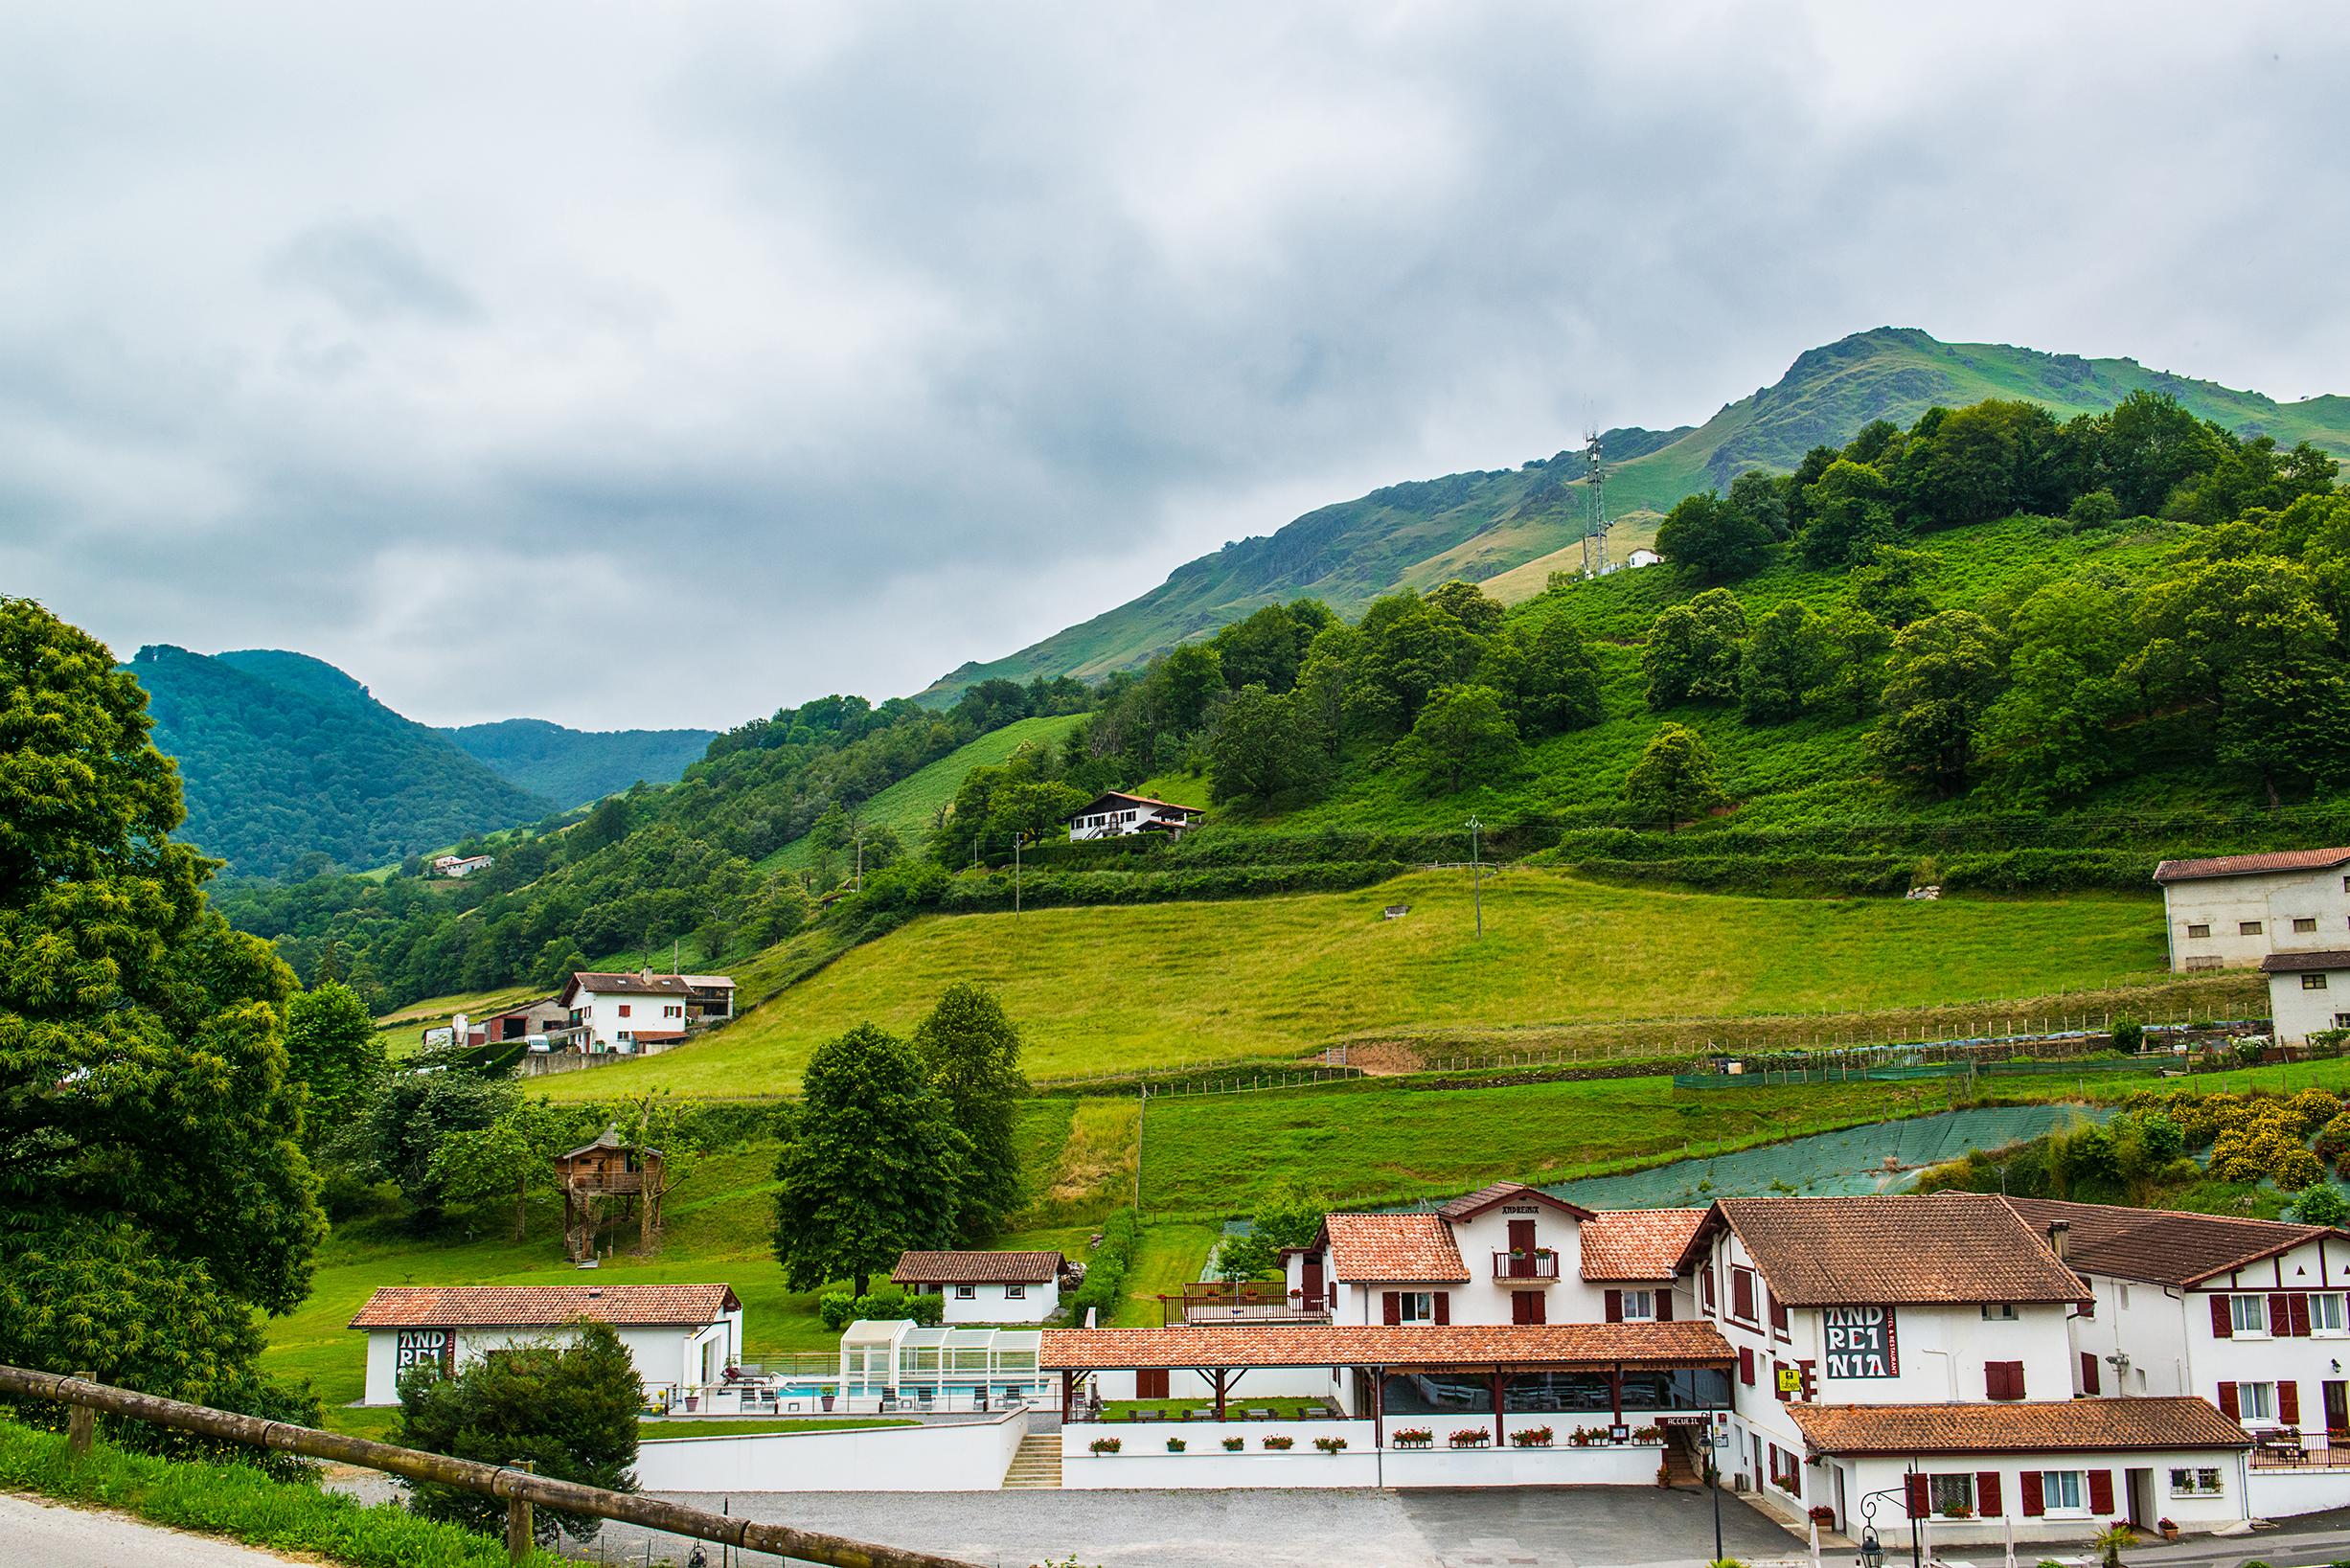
[(1531, 1436), (1471, 1437), (1280, 1444), (1411, 1437), (1174, 1445), (1331, 1446), (1106, 1446)]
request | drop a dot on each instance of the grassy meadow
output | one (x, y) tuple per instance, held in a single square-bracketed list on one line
[(1107, 989)]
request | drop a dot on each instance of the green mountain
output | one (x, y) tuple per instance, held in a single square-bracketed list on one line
[(282, 756), (572, 768), (1508, 528)]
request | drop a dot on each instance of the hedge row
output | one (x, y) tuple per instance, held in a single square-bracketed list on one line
[(2003, 871), (967, 894), (1106, 1271)]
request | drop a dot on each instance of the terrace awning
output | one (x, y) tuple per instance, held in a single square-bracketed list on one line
[(1533, 1347)]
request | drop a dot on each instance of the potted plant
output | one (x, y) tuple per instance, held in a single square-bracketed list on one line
[(1649, 1434), (1174, 1445), (1958, 1511), (1531, 1436), (1106, 1446), (1412, 1437), (1281, 1444), (1471, 1437), (2169, 1528), (1233, 1445), (1824, 1517), (1331, 1446)]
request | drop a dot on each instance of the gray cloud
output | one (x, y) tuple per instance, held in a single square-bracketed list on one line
[(666, 364)]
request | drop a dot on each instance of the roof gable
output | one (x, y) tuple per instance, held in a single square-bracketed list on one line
[(2161, 1246), (1470, 1205), (1928, 1249), (2251, 865), (542, 1305)]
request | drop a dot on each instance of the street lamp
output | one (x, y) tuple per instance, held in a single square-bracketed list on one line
[(1872, 1549)]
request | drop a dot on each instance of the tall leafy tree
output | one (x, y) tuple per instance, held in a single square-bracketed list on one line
[(2149, 444), (1692, 653), (973, 1051), (153, 1188), (1761, 499), (1674, 780), (1787, 660), (1559, 689), (874, 1165), (1709, 539), (1857, 642), (1943, 673), (1462, 734), (1850, 509), (1264, 748), (335, 1054), (413, 1113)]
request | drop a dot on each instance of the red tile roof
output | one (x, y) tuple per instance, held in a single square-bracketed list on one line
[(627, 985), (2161, 1246), (1502, 1192), (1108, 795), (976, 1267), (2172, 1422), (1324, 1344), (2322, 959), (2250, 865), (1637, 1243), (1912, 1249), (1393, 1249), (540, 1305)]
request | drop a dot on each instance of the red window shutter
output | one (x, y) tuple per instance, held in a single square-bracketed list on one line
[(2029, 1488), (1778, 1312), (2088, 1371), (1746, 1369), (1538, 1308), (2223, 1326), (1914, 1496), (1987, 1494), (2280, 1314), (2228, 1406), (1664, 1304), (1391, 1307), (1775, 1387), (1615, 1307), (2101, 1493), (1708, 1278), (2300, 1314), (2289, 1402), (1742, 1295), (1444, 1307)]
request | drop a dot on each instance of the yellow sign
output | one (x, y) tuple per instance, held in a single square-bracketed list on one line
[(1791, 1379)]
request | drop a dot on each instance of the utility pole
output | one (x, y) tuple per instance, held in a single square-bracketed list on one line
[(1476, 872), (1141, 1106), (1015, 876)]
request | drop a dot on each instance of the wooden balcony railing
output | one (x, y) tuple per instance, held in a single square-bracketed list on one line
[(1528, 1265)]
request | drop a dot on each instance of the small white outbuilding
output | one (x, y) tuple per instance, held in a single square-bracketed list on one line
[(682, 1336)]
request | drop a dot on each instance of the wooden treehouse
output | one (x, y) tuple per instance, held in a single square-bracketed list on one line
[(604, 1184)]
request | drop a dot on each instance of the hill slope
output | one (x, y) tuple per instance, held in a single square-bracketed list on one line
[(1478, 526), (280, 754), (572, 768)]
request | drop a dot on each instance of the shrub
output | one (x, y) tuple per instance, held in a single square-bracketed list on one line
[(837, 1309), (1106, 1446), (1331, 1446), (2334, 1138), (1233, 1445), (2321, 1205), (2129, 1034), (1174, 1445), (1105, 1270), (2297, 1169)]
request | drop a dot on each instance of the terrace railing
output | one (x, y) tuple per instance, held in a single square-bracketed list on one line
[(1525, 1265)]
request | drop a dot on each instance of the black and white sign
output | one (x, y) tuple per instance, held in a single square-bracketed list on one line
[(1861, 1342), (422, 1347)]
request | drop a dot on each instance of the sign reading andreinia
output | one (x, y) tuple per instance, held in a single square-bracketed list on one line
[(1861, 1342)]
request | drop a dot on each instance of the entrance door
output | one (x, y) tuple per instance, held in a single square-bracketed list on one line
[(1311, 1285), (2140, 1483), (1844, 1520), (1150, 1383), (1521, 1248), (2337, 1410)]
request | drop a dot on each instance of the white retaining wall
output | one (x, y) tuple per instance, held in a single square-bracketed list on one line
[(1144, 1462), (964, 1456), (2280, 1494)]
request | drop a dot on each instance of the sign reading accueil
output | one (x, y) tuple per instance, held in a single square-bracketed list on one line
[(1861, 1342)]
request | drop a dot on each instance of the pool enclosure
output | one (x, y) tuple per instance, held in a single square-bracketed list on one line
[(893, 1364)]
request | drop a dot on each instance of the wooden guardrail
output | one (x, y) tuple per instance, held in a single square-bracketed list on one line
[(522, 1489)]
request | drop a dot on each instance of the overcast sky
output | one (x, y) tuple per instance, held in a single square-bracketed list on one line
[(659, 364)]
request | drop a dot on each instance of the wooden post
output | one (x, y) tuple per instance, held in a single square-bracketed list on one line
[(518, 1541), (80, 1424)]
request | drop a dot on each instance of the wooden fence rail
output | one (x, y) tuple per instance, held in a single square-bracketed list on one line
[(521, 1489)]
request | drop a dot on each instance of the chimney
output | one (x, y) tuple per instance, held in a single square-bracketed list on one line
[(2060, 1231)]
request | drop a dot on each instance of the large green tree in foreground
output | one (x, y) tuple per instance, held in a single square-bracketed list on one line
[(152, 1185)]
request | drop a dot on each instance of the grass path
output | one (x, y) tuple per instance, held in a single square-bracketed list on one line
[(1105, 988)]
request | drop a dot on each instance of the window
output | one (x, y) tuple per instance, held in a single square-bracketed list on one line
[(1999, 1311), (1778, 1319), (1417, 1305), (675, 1010), (1705, 1284), (2305, 922), (1786, 1471), (2313, 982), (1742, 1295), (2003, 1379), (967, 1292), (2195, 931), (2248, 928), (1951, 1494), (2341, 1020), (623, 1009), (2209, 960), (1639, 1305), (1016, 1292), (2200, 1482), (2325, 1313), (2248, 1314), (2059, 1491), (2255, 1402)]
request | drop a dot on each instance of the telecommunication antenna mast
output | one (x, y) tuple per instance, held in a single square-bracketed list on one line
[(1595, 542)]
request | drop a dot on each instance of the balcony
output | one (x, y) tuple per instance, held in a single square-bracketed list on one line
[(1208, 1301), (1541, 1263)]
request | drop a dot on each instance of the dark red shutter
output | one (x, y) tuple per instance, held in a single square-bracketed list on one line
[(2300, 1315), (1914, 1495), (2088, 1371), (1987, 1493), (1444, 1307), (1746, 1366), (1784, 1395), (2228, 1406), (1742, 1295), (2029, 1488), (2101, 1493), (1538, 1308), (1664, 1304), (1615, 1307), (1708, 1277), (1391, 1307), (2280, 1314), (2223, 1326), (2289, 1404)]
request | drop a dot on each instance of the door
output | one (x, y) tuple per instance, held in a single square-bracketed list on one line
[(1526, 1307), (2337, 1410), (1842, 1519), (1521, 1248), (1150, 1383), (2140, 1481), (1311, 1284)]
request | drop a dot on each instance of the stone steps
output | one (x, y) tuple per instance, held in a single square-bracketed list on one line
[(1037, 1462)]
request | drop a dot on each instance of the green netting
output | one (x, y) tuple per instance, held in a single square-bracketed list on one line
[(1848, 1162), (2082, 1067)]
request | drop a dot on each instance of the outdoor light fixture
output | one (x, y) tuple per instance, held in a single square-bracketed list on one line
[(1872, 1549)]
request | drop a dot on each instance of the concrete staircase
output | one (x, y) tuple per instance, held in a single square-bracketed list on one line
[(1038, 1462), (1680, 1471)]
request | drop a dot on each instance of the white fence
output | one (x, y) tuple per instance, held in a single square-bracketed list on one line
[(960, 1456)]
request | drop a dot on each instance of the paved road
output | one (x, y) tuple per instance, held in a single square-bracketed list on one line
[(50, 1536)]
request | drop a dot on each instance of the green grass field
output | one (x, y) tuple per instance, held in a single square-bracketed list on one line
[(909, 806), (1109, 988)]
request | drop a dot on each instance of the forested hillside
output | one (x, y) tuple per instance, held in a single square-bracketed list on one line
[(572, 768), (288, 766), (1523, 522)]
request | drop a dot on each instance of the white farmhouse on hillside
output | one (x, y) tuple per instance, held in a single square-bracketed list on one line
[(985, 1286), (2234, 910), (681, 1336), (459, 865), (1114, 815), (627, 1013)]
